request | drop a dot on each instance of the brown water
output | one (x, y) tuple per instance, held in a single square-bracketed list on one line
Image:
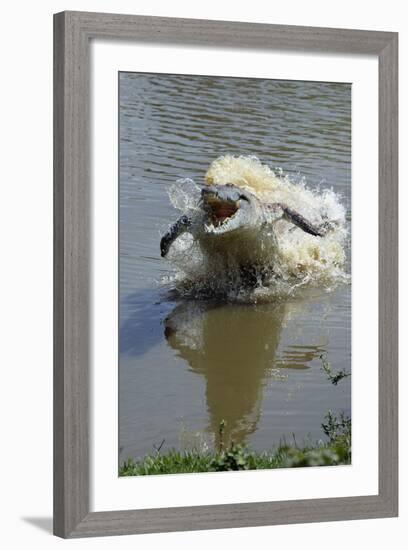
[(185, 365)]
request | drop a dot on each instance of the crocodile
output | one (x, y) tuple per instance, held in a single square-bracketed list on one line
[(233, 222)]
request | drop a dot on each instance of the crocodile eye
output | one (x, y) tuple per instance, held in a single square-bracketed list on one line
[(243, 197)]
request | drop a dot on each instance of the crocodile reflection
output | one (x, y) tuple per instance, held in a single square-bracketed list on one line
[(235, 348)]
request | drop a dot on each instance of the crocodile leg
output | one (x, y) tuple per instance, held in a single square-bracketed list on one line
[(297, 219), (177, 229)]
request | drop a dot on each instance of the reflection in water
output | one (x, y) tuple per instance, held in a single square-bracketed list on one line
[(235, 348)]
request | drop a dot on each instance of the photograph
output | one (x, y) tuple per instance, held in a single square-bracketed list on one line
[(235, 276)]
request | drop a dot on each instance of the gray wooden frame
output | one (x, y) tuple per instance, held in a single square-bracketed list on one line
[(72, 34)]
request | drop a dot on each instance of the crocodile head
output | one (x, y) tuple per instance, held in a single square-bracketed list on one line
[(228, 208)]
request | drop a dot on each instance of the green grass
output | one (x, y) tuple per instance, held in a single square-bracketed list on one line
[(238, 457), (333, 376)]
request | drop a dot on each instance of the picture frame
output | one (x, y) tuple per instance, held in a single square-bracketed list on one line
[(73, 32)]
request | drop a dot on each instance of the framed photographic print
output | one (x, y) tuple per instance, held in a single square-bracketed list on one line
[(225, 274)]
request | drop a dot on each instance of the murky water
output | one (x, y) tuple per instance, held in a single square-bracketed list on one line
[(185, 365)]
